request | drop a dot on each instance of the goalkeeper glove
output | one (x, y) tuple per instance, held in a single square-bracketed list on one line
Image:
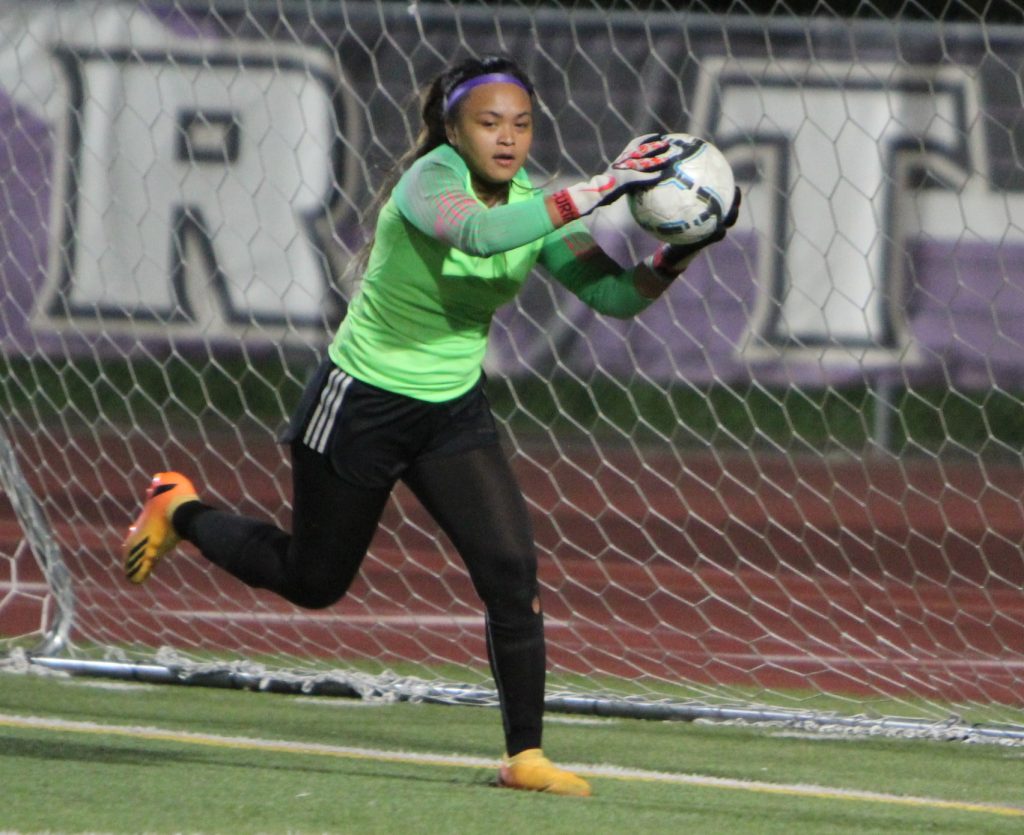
[(669, 261), (641, 163)]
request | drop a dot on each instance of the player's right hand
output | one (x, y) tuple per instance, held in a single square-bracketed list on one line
[(641, 163)]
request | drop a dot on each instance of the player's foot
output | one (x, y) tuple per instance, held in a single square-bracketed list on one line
[(532, 771), (152, 535)]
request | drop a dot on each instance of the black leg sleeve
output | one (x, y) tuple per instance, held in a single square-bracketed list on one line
[(476, 500), (332, 522)]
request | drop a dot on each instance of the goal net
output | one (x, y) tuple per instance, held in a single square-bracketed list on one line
[(791, 489)]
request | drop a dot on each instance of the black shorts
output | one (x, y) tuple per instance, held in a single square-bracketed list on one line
[(372, 436)]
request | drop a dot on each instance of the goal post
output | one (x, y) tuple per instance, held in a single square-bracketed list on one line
[(37, 608), (788, 491)]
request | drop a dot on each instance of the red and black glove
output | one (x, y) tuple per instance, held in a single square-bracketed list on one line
[(642, 163)]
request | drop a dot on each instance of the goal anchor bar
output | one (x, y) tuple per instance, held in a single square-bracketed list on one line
[(407, 690)]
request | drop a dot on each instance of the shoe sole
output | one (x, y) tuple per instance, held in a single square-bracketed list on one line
[(139, 564)]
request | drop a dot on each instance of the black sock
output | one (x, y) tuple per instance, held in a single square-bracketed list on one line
[(184, 515)]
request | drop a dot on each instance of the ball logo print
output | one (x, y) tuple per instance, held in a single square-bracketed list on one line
[(689, 202)]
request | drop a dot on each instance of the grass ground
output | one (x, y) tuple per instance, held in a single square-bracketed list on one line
[(115, 757)]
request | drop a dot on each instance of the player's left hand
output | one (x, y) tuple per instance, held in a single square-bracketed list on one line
[(671, 259)]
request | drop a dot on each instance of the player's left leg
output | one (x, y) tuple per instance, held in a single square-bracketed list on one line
[(475, 498)]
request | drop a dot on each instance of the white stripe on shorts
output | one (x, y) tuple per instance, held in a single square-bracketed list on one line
[(333, 392)]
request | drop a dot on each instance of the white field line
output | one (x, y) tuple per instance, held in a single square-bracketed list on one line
[(24, 587), (358, 620), (453, 621), (477, 622), (600, 771), (293, 617)]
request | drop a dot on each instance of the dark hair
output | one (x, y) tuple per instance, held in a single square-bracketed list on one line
[(433, 130)]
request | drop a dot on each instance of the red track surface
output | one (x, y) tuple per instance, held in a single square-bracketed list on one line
[(847, 576)]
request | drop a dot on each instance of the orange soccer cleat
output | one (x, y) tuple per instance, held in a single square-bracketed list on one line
[(152, 535), (532, 771)]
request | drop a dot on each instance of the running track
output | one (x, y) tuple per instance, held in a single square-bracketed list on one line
[(857, 577)]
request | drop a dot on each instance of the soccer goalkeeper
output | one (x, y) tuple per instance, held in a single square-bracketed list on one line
[(400, 394)]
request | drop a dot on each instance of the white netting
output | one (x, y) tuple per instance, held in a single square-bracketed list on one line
[(794, 480)]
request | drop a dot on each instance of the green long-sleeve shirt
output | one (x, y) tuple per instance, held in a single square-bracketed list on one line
[(442, 263)]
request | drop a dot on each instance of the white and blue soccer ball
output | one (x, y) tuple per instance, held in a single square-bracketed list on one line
[(689, 203)]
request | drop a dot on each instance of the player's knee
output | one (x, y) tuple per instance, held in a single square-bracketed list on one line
[(318, 600), (516, 618), (314, 595), (515, 596)]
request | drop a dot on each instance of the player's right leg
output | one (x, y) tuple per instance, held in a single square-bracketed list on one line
[(313, 567), (314, 564), (152, 535), (341, 479)]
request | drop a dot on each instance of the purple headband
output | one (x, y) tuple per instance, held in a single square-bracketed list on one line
[(490, 78)]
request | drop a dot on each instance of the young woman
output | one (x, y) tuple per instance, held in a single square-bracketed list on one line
[(401, 395)]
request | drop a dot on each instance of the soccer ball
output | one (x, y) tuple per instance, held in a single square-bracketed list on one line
[(689, 203)]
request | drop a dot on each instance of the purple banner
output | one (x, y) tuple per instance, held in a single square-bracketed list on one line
[(174, 180)]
